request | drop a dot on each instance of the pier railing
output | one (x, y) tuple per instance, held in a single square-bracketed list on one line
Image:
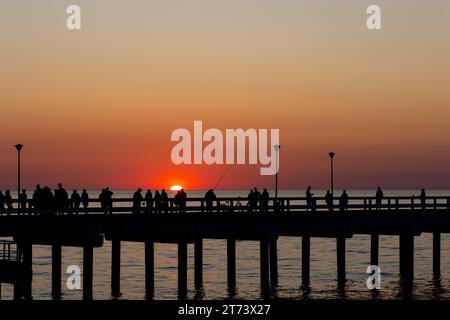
[(241, 204), (9, 251)]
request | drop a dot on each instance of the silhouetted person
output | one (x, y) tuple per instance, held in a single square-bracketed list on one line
[(164, 200), (8, 202), (37, 199), (102, 199), (61, 199), (309, 197), (251, 201), (183, 200), (23, 201), (137, 201), (149, 200), (264, 201), (256, 196), (379, 198), (177, 199), (75, 200), (210, 196), (343, 201), (47, 203), (2, 203), (85, 200), (423, 198), (329, 200), (158, 201), (108, 199)]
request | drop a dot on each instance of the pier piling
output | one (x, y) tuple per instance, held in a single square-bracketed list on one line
[(149, 269), (88, 261), (407, 258), (198, 263), (340, 252), (27, 248), (115, 268), (306, 262), (436, 255), (56, 271), (231, 264), (273, 251), (182, 270), (374, 249), (264, 265)]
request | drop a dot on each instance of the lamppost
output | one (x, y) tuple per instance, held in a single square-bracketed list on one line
[(277, 149), (331, 154), (19, 148)]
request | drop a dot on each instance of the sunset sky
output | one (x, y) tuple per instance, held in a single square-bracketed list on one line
[(97, 107)]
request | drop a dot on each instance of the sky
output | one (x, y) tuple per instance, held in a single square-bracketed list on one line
[(96, 107)]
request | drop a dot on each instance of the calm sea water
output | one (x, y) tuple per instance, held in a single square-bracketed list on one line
[(323, 266)]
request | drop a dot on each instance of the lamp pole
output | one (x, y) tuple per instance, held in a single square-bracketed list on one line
[(331, 154), (277, 149), (19, 148)]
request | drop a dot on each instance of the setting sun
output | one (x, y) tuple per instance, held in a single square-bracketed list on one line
[(176, 188)]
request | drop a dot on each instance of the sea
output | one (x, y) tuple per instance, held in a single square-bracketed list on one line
[(323, 265)]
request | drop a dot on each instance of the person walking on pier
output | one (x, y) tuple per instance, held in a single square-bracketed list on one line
[(329, 200), (75, 200), (8, 202), (423, 198), (251, 201), (257, 197), (164, 200), (109, 201), (379, 198), (37, 199), (209, 198), (343, 201), (183, 200), (61, 199), (158, 201), (23, 201), (2, 203), (149, 201), (137, 201), (85, 200), (264, 201), (309, 198)]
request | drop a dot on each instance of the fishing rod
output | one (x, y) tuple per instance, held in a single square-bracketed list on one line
[(223, 175)]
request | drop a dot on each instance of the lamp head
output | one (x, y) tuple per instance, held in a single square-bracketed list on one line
[(19, 147), (331, 154)]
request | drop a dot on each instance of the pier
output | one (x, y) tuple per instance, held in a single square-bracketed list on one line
[(404, 217)]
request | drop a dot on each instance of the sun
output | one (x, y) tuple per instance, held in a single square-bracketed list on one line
[(176, 188)]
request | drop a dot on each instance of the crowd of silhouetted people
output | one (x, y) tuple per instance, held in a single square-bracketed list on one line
[(45, 201)]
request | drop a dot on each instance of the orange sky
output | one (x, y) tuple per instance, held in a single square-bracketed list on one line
[(97, 107)]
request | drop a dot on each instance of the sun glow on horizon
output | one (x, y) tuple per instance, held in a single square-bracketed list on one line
[(176, 188)]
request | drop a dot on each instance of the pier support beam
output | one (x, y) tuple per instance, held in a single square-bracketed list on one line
[(88, 262), (374, 249), (149, 269), (407, 259), (18, 290), (115, 268), (436, 255), (273, 251), (56, 271), (231, 264), (306, 260), (264, 266), (198, 263), (27, 250), (340, 252), (182, 270)]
